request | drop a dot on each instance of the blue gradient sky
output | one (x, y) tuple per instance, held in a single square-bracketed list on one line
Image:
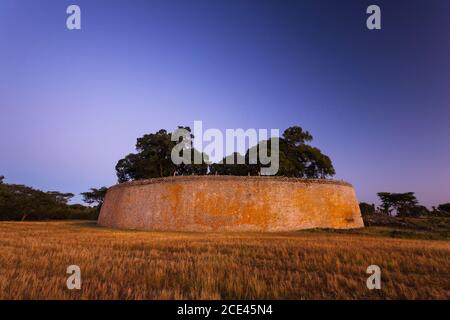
[(72, 103)]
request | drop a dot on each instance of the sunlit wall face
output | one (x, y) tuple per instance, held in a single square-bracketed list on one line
[(377, 102)]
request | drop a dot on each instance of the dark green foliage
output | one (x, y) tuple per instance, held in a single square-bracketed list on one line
[(413, 211), (445, 207), (19, 202), (296, 158), (386, 203), (366, 208), (239, 168), (153, 159), (443, 210), (95, 196), (401, 203), (62, 198), (295, 136), (425, 227)]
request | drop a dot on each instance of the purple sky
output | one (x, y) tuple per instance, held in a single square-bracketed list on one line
[(72, 103)]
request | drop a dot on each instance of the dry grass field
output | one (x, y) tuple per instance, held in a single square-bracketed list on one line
[(155, 265)]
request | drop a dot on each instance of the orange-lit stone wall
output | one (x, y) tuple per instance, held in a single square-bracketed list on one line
[(228, 203)]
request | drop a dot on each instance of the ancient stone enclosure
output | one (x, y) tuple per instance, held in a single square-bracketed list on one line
[(230, 203)]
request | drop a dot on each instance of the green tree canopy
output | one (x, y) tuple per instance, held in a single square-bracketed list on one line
[(19, 202), (153, 158), (296, 158), (400, 203), (239, 168), (60, 197), (95, 196), (445, 207), (366, 209)]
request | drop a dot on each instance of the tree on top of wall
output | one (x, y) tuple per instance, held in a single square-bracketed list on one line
[(297, 158), (153, 159)]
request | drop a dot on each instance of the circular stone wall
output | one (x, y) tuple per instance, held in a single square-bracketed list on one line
[(230, 203)]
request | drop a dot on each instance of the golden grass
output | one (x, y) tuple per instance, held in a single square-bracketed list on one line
[(156, 265)]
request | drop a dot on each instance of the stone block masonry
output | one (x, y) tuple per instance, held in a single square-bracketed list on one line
[(230, 203)]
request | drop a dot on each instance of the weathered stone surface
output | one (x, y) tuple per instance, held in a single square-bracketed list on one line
[(228, 203)]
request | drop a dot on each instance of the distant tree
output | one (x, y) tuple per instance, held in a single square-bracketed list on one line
[(445, 207), (386, 203), (413, 211), (406, 204), (19, 203), (366, 209), (60, 197), (1, 179), (95, 196), (77, 206), (400, 203)]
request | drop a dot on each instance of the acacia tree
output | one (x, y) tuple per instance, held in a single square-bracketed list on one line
[(386, 203), (60, 197), (95, 196), (400, 203), (19, 202)]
